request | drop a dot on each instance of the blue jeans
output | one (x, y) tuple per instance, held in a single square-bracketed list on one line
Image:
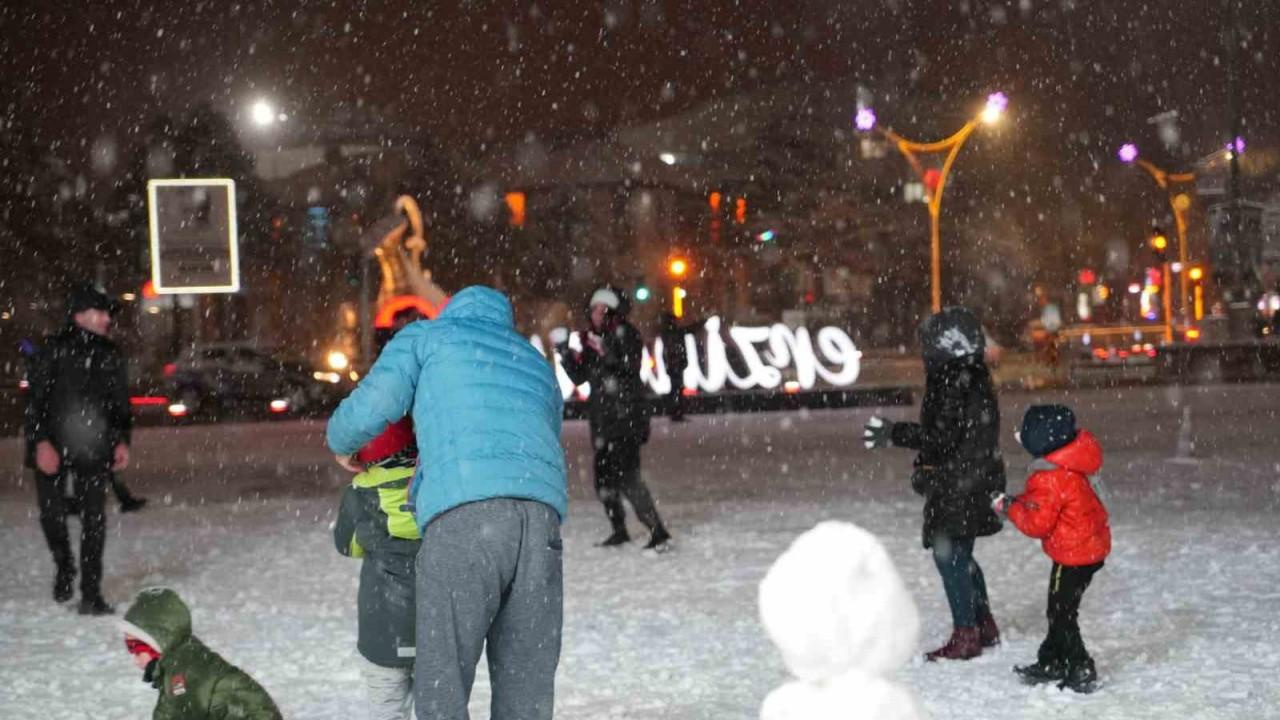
[(962, 579)]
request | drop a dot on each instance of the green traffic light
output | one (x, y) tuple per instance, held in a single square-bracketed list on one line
[(642, 294)]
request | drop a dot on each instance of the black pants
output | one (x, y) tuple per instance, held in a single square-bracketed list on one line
[(618, 475), (675, 396), (89, 490), (1064, 645)]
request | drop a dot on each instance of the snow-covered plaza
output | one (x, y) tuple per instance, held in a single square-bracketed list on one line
[(1184, 621)]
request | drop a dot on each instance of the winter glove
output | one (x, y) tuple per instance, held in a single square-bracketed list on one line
[(877, 433), (1001, 502)]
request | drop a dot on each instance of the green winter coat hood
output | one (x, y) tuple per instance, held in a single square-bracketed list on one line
[(159, 618)]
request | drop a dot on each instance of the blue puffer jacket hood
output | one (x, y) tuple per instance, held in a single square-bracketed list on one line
[(479, 303), (486, 408)]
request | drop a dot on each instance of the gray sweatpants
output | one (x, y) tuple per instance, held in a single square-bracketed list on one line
[(489, 572)]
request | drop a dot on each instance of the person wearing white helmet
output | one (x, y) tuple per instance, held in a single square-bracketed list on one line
[(618, 411)]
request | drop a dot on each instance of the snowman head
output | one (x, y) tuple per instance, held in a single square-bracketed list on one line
[(834, 602)]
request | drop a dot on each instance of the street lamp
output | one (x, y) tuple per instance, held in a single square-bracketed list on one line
[(934, 180), (262, 113), (1179, 200)]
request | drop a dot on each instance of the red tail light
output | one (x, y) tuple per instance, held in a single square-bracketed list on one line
[(148, 400)]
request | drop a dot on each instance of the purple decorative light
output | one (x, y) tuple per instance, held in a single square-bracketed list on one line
[(1239, 144), (865, 119), (1128, 152), (997, 102)]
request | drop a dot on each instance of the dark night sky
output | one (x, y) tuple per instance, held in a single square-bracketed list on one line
[(472, 70)]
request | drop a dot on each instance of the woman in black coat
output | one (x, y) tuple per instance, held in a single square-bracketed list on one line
[(618, 413), (958, 468)]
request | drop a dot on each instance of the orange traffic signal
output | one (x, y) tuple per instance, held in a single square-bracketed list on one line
[(678, 267), (1196, 273), (1159, 242), (516, 205)]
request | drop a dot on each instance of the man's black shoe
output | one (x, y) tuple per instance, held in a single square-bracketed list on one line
[(660, 541), (132, 504), (1040, 673), (618, 537), (96, 606)]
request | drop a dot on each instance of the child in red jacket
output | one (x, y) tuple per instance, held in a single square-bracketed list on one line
[(1060, 507)]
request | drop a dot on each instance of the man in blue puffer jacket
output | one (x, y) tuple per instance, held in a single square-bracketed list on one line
[(489, 495)]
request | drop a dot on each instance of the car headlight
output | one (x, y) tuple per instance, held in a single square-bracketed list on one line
[(338, 360)]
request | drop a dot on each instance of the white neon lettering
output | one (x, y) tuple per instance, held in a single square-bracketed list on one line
[(766, 351), (760, 375)]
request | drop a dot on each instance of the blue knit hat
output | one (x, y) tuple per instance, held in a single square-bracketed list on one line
[(1046, 428)]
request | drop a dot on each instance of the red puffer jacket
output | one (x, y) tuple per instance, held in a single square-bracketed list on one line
[(1060, 507)]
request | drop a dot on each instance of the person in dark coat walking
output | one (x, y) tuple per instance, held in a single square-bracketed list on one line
[(675, 357), (78, 425), (618, 413), (127, 500), (958, 468)]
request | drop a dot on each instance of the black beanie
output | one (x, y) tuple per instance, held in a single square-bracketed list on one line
[(86, 296), (1046, 428)]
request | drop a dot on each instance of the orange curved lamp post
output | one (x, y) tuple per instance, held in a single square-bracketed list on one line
[(934, 180)]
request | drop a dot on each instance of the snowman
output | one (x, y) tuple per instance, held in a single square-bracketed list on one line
[(838, 612)]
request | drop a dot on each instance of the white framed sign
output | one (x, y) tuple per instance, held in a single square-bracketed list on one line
[(194, 247)]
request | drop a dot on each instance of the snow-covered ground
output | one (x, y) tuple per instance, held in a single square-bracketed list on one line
[(1184, 622)]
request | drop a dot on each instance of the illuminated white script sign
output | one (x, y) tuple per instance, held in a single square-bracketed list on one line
[(764, 351)]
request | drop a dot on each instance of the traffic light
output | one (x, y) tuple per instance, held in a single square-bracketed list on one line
[(642, 292), (678, 267), (1196, 275), (678, 294), (1160, 244), (516, 207)]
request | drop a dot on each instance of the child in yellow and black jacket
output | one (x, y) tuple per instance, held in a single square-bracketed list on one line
[(376, 523)]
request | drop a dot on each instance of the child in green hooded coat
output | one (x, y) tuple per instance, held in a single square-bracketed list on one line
[(195, 683)]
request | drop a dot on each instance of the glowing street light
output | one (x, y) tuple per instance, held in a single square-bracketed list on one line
[(995, 107), (934, 179), (865, 120), (262, 113)]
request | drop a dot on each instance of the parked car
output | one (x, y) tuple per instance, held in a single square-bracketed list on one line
[(216, 379)]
